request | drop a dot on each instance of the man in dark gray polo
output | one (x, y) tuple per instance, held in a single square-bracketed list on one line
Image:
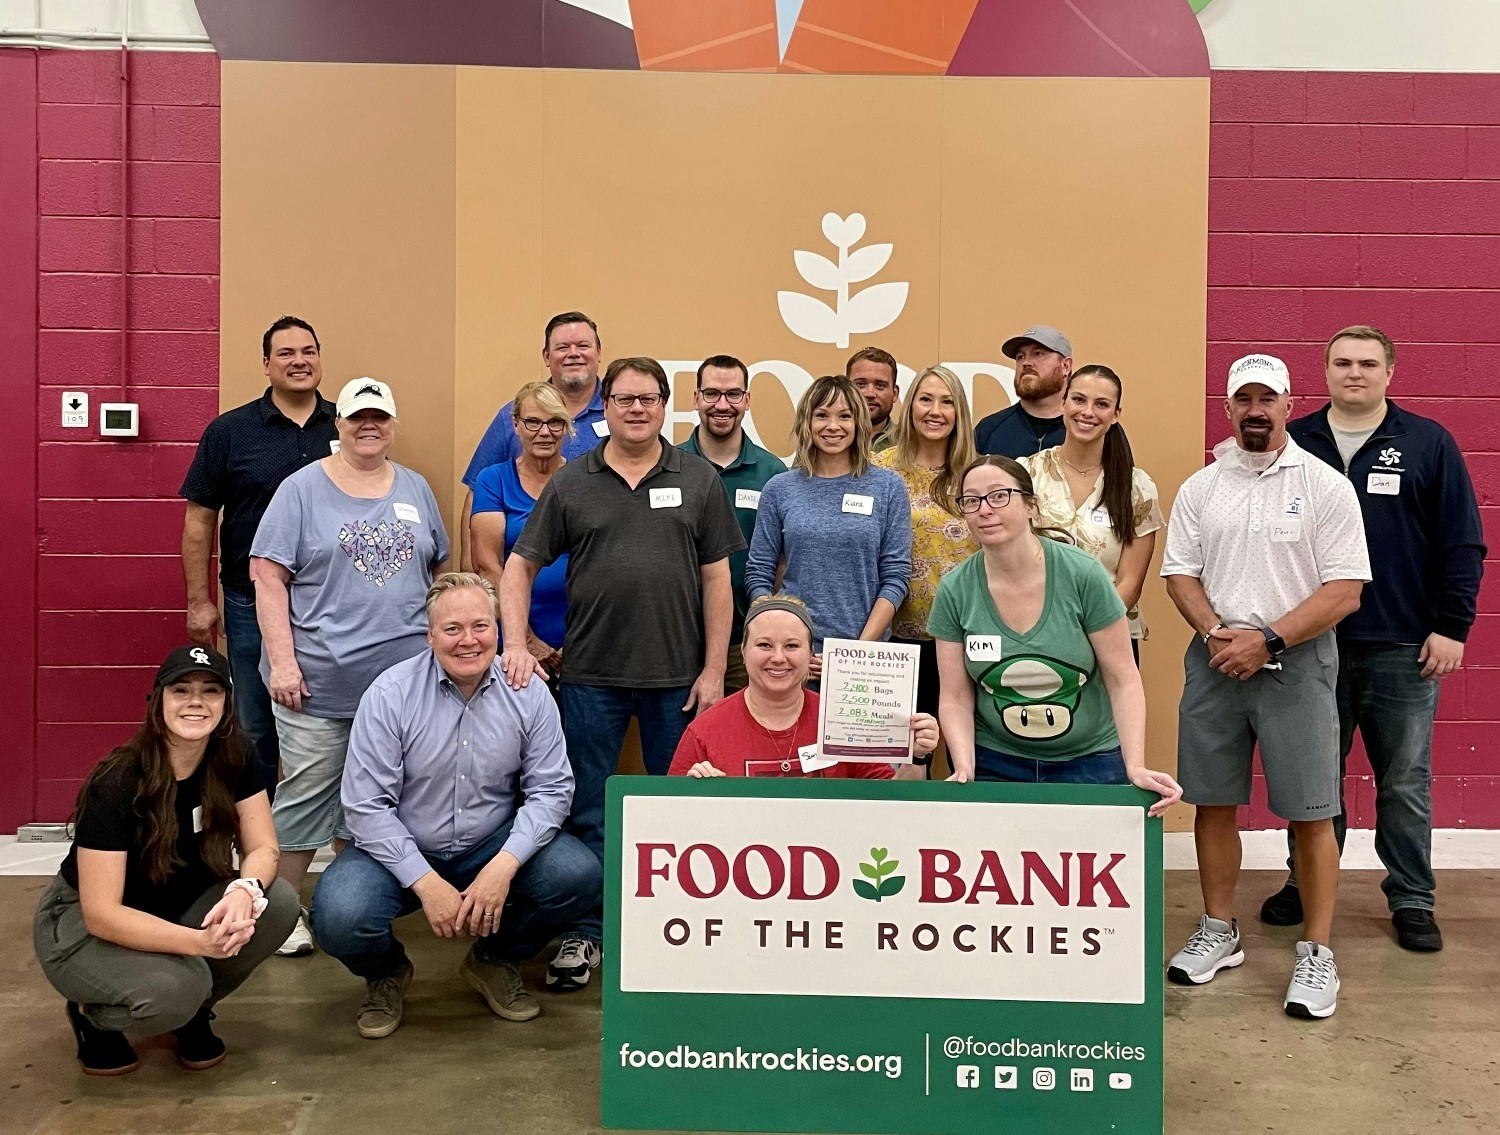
[(648, 531)]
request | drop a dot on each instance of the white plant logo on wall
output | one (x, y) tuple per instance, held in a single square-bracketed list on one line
[(869, 309)]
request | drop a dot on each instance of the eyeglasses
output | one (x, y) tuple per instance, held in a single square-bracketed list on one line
[(997, 500), (537, 425), (733, 397), (625, 401)]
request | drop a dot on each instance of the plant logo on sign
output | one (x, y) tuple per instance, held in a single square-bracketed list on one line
[(869, 309), (882, 883)]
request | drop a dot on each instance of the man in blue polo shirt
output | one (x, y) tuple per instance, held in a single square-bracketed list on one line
[(242, 459), (570, 352), (722, 397), (1427, 556), (1044, 360)]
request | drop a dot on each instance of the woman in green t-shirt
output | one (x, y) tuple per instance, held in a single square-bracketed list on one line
[(1060, 700)]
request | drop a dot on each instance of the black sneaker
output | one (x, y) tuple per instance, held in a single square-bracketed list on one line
[(1417, 930), (1284, 908), (101, 1053), (197, 1047)]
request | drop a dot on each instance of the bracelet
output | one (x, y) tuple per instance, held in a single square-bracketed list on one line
[(251, 887), (1210, 632)]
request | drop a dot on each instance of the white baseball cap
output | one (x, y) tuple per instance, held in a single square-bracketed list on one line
[(365, 394), (1267, 370)]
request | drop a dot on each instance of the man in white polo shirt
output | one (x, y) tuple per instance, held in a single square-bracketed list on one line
[(1265, 554)]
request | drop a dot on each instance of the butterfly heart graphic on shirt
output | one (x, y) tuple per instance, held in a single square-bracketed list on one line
[(378, 551)]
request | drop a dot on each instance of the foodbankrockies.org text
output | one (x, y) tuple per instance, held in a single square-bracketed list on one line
[(687, 1058)]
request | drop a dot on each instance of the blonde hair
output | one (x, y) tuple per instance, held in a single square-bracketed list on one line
[(547, 397), (1363, 331), (960, 452), (452, 581), (824, 392)]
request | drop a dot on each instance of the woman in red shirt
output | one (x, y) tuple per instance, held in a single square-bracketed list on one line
[(758, 731)]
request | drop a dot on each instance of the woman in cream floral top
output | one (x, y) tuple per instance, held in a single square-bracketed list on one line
[(1090, 487), (934, 442)]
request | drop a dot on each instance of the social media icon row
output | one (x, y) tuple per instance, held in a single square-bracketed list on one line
[(1008, 1077)]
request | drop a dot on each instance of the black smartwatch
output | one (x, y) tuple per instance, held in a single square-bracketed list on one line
[(1275, 644)]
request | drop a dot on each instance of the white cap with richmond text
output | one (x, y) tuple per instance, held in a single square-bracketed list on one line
[(1267, 370)]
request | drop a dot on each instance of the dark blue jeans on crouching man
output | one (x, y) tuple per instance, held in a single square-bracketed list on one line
[(357, 900)]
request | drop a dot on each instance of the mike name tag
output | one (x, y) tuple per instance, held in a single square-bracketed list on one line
[(666, 498), (857, 502)]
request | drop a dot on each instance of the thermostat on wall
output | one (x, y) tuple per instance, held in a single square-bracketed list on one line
[(119, 419)]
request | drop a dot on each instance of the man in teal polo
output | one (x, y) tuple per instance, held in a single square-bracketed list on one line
[(721, 397)]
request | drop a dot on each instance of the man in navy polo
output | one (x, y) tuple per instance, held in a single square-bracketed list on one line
[(242, 459), (1427, 556)]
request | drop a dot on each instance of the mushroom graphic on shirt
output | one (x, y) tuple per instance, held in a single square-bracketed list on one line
[(1035, 695)]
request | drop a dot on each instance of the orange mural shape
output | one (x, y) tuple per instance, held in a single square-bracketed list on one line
[(887, 37), (691, 35)]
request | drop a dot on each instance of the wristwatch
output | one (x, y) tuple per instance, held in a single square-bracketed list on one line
[(1275, 644)]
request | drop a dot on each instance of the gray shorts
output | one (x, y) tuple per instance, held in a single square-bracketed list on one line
[(308, 810), (1291, 713)]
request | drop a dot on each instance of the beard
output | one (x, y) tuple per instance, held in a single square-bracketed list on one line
[(720, 427), (1031, 386), (576, 383), (1255, 435)]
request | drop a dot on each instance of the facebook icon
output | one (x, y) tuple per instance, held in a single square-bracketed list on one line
[(968, 1075)]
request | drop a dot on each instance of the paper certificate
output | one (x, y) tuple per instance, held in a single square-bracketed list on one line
[(869, 694)]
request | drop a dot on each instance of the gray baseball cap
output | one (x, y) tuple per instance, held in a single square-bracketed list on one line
[(1049, 337)]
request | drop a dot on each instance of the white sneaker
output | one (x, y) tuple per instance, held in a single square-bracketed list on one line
[(1314, 991), (1215, 945), (299, 942), (574, 964)]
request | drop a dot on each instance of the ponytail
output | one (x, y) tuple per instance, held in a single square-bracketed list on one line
[(1117, 496)]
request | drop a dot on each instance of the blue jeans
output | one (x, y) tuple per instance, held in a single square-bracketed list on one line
[(357, 900), (595, 719), (1105, 767), (1381, 692), (252, 701)]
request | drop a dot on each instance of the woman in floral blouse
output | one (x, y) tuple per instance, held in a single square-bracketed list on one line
[(1091, 488)]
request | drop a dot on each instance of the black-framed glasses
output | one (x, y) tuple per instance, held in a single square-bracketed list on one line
[(733, 397), (996, 499), (537, 425), (625, 401)]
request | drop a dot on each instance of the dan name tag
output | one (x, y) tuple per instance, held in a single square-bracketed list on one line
[(601, 429), (666, 498), (855, 502), (747, 498), (407, 513), (1287, 530), (1383, 484), (982, 647)]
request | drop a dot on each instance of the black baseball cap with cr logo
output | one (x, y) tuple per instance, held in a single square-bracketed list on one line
[(187, 660)]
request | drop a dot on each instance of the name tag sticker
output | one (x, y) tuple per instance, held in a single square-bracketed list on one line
[(1100, 515), (333, 446), (601, 428), (198, 818), (747, 498), (811, 761), (1286, 530), (854, 502), (666, 498), (982, 647), (1383, 484), (407, 513)]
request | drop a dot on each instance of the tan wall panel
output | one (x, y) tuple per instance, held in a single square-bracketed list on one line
[(338, 206)]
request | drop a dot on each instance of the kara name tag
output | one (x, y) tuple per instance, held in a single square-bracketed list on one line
[(855, 502), (666, 498), (601, 428), (1383, 484), (747, 498), (407, 513), (982, 647)]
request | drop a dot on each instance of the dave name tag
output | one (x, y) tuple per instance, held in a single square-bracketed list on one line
[(1383, 484), (1286, 530), (854, 502), (747, 498), (601, 429), (407, 513), (666, 498), (982, 647)]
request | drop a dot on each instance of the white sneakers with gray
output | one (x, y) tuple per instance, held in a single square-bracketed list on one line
[(1215, 945), (1314, 991)]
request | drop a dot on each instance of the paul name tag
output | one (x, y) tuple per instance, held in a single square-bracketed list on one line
[(198, 818), (407, 513), (854, 502), (747, 498), (1383, 484), (601, 429), (666, 498), (982, 647), (811, 761), (1286, 530)]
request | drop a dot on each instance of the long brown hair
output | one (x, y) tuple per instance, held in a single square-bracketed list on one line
[(960, 450), (1017, 473), (824, 392), (145, 758), (1118, 460)]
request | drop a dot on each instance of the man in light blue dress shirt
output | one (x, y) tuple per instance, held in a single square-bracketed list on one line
[(441, 752)]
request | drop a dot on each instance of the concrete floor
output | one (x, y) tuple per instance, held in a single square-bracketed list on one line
[(1415, 1046)]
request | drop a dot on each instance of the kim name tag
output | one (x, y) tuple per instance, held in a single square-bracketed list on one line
[(854, 502), (1383, 484), (666, 498), (982, 647), (1287, 530), (407, 513), (601, 428), (747, 498)]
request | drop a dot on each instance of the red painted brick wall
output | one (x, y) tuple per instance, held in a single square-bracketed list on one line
[(109, 592), (1339, 198)]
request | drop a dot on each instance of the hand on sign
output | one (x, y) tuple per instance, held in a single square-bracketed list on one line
[(703, 770), (815, 668), (1158, 782), (924, 733)]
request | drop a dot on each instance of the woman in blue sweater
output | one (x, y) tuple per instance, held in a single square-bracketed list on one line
[(841, 526)]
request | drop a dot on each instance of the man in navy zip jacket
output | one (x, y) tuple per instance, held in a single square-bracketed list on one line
[(1427, 556)]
